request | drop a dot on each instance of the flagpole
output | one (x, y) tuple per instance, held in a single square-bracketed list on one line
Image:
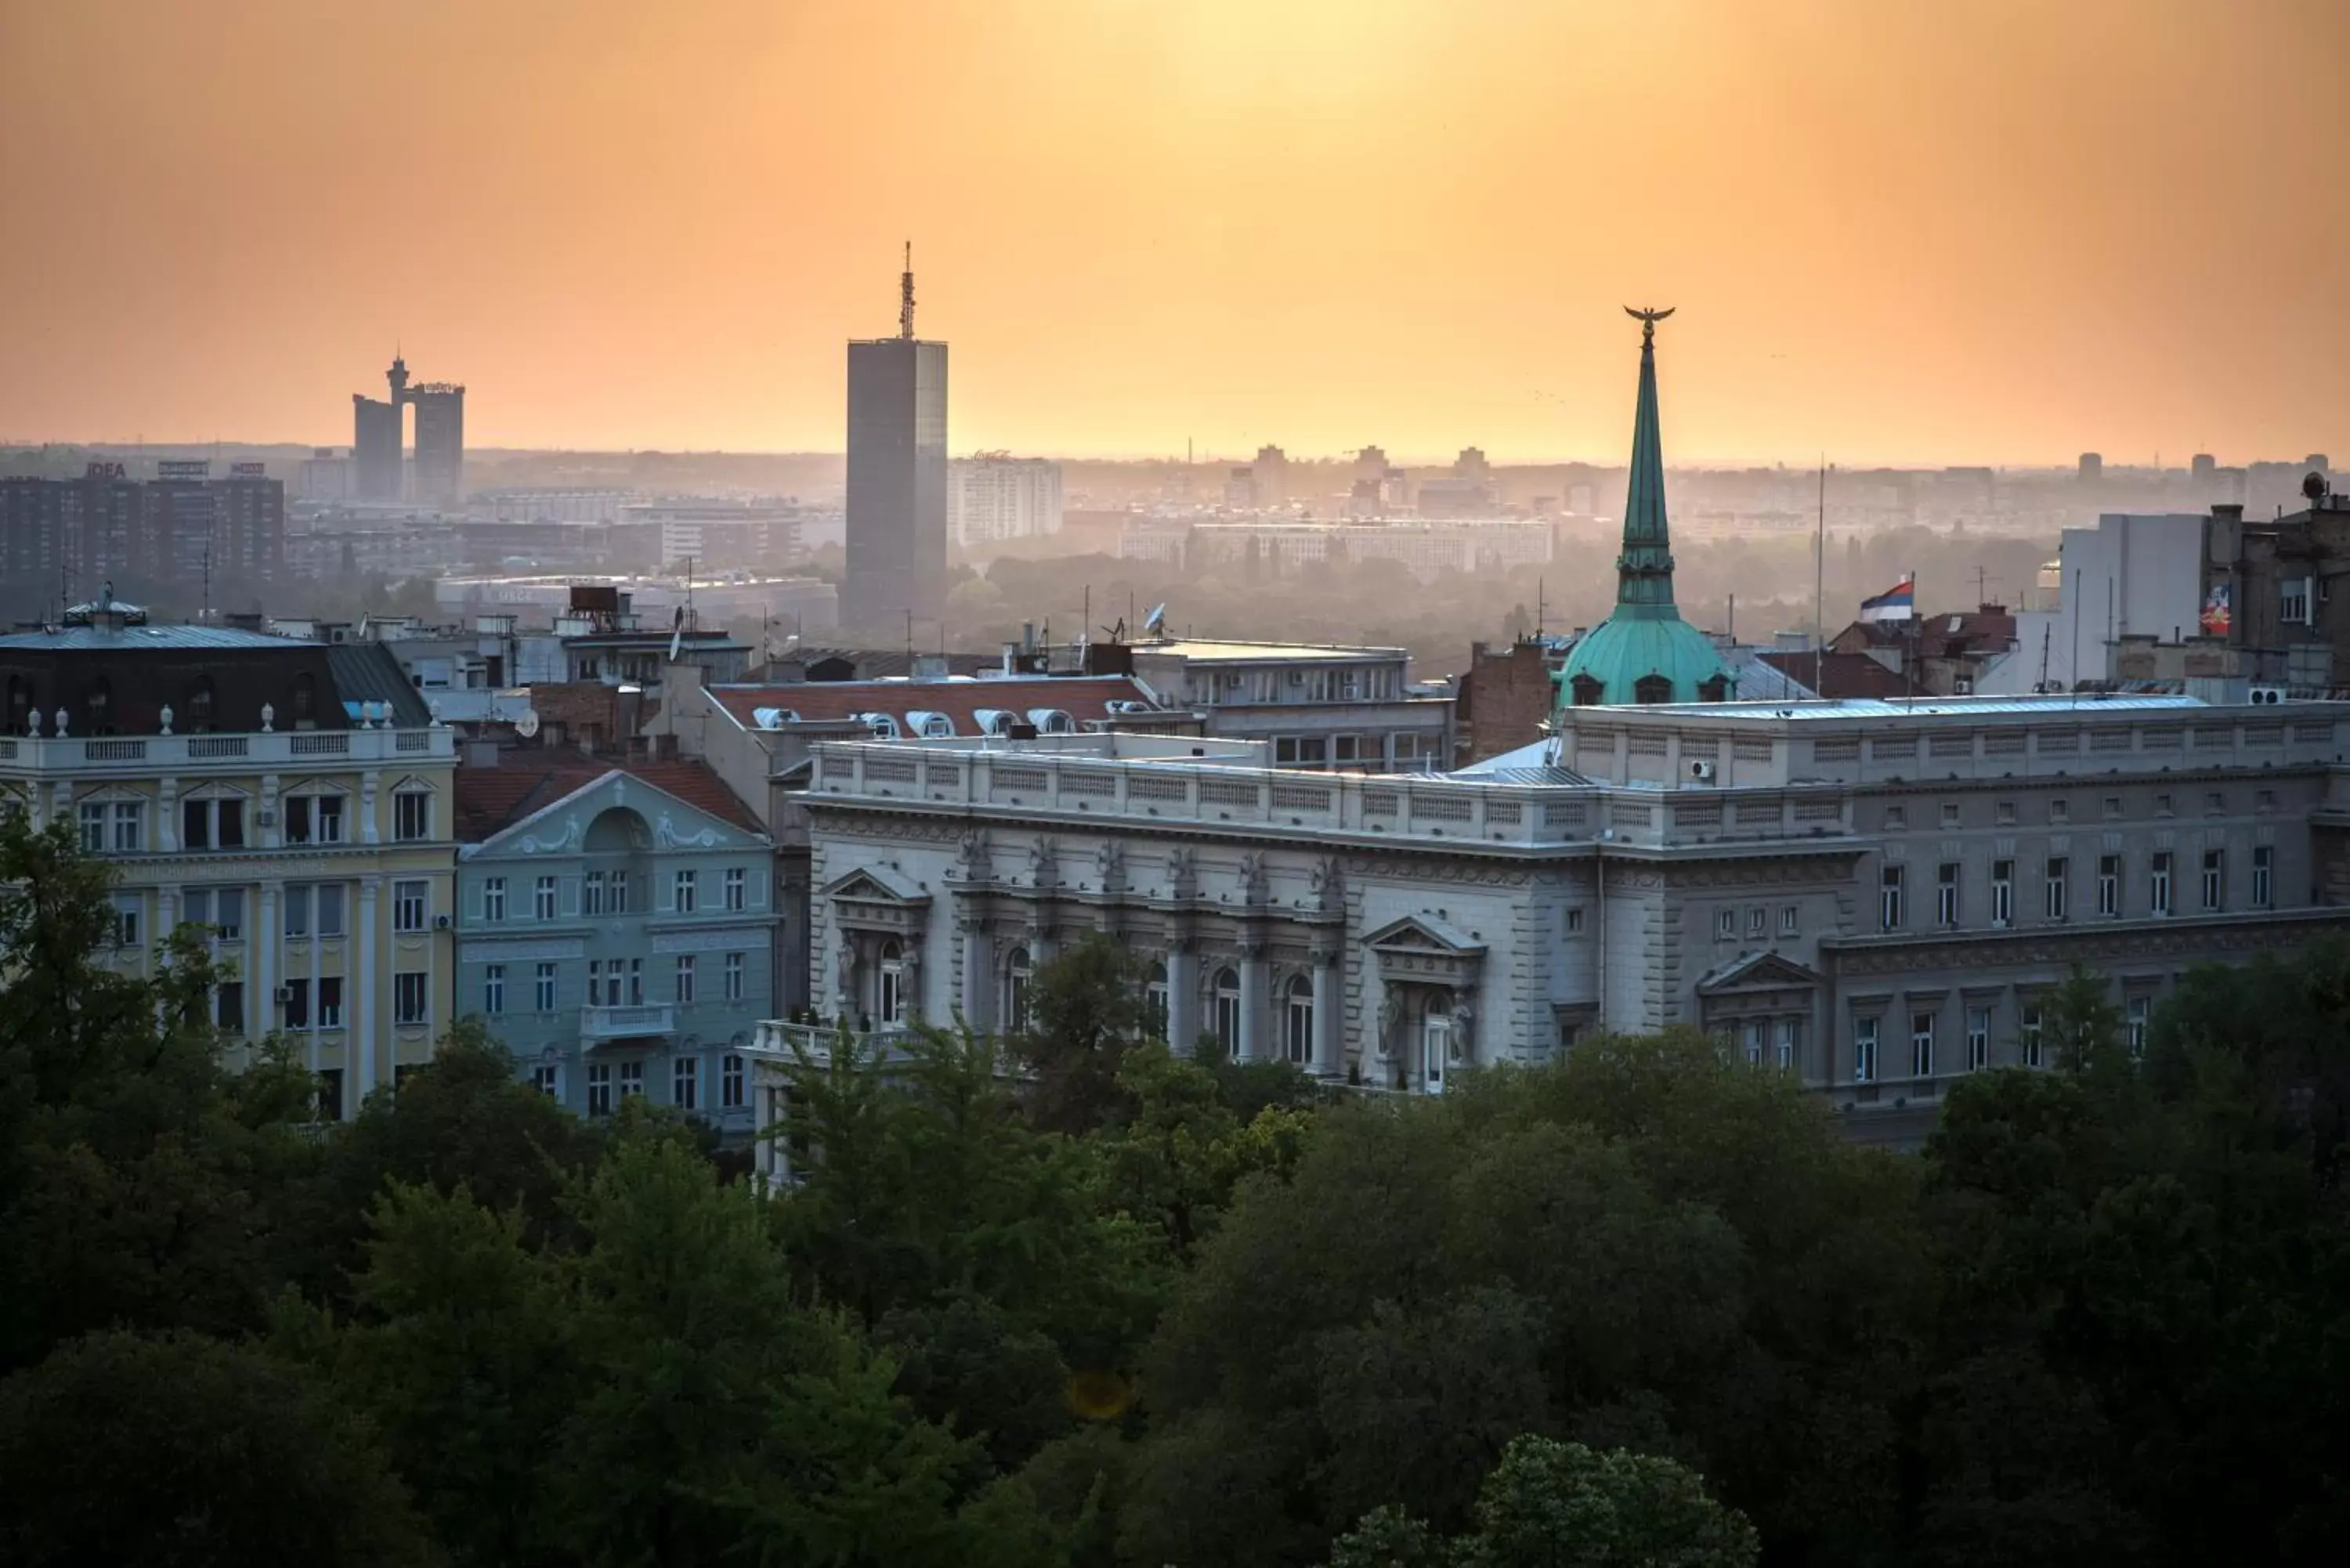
[(1820, 582)]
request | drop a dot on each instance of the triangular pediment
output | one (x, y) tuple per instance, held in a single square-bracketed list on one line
[(877, 884), (1424, 933), (1764, 971)]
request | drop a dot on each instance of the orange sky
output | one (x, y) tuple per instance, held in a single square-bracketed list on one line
[(1965, 230)]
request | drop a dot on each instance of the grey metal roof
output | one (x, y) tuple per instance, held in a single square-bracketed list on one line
[(370, 672), (2084, 705), (92, 638)]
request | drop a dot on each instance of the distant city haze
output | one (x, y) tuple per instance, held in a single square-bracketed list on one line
[(1995, 231)]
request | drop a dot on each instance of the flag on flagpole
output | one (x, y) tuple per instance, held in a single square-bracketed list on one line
[(1898, 602)]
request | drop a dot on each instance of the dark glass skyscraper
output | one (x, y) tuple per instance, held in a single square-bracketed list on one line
[(896, 510)]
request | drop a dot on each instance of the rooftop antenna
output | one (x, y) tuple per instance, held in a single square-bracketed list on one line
[(906, 296), (1540, 608)]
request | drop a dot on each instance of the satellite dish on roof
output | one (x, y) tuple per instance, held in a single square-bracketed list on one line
[(527, 725), (1156, 621)]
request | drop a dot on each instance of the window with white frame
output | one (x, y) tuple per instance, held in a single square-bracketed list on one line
[(1921, 1045), (733, 968), (685, 1082), (1725, 924), (1750, 1035), (1758, 921), (412, 905), (1978, 1039), (221, 910), (2264, 877), (94, 818), (314, 819), (2109, 885), (2030, 1041), (411, 815), (2215, 880), (493, 990), (494, 900), (130, 915), (1154, 1001), (1791, 1040), (684, 979), (686, 883), (411, 1000), (228, 1005), (547, 1079), (729, 1083), (1946, 893), (2059, 886), (1890, 884), (212, 823), (1297, 1022), (130, 826), (1864, 1050), (889, 985), (599, 1088), (591, 894), (543, 989), (632, 1078), (295, 1010), (1791, 920), (1228, 1011), (2158, 883), (2135, 1015), (330, 1002), (542, 899), (737, 887), (1015, 990), (2002, 892)]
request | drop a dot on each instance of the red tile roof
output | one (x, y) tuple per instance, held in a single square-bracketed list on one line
[(1841, 675), (1082, 697), (491, 799)]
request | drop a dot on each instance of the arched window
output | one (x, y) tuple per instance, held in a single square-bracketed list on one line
[(1228, 1011), (890, 1000), (1652, 689), (305, 703), (1154, 1002), (1297, 1022), (198, 719), (1587, 690), (1713, 688), (97, 708), (1016, 973)]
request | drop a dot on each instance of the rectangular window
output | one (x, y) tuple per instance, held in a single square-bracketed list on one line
[(1949, 813), (2113, 806), (93, 826), (2215, 878), (2215, 803), (219, 909), (1864, 1050), (327, 818), (228, 1005), (2059, 886), (2264, 799), (212, 824), (1978, 1039), (619, 892), (330, 1002), (684, 979), (297, 1004), (411, 905), (298, 910), (494, 900), (2135, 1016), (1946, 893), (543, 989), (685, 885), (729, 1083), (2264, 878), (599, 1088), (411, 1000), (733, 977), (411, 815), (685, 1082), (1750, 1035), (1889, 898), (328, 915), (2030, 1040), (2109, 885), (1725, 924), (2002, 892), (1758, 922), (130, 912), (298, 819), (2060, 811), (1921, 1045), (1574, 922), (1791, 1037), (2003, 813), (2162, 806), (228, 824), (130, 828), (2158, 883), (737, 887), (493, 990), (632, 1078), (547, 1079), (1790, 920), (542, 899), (329, 1102), (591, 894)]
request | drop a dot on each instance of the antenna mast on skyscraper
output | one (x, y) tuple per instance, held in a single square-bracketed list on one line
[(906, 296)]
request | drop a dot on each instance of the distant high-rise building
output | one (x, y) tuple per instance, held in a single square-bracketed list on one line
[(994, 495), (896, 501), (1471, 465), (62, 540), (2093, 467), (379, 435), (1371, 464), (1269, 477), (2202, 467)]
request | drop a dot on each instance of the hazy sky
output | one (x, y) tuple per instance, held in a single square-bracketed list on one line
[(1949, 230)]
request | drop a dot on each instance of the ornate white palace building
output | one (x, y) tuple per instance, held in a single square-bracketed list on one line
[(1870, 895)]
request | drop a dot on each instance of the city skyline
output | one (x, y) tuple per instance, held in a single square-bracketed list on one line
[(2003, 236)]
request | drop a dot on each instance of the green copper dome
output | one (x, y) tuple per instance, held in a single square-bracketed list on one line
[(1644, 652)]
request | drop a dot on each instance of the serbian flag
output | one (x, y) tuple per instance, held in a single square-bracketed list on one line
[(1898, 602)]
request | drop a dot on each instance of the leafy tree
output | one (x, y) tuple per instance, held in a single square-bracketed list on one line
[(183, 1449), (1085, 1007)]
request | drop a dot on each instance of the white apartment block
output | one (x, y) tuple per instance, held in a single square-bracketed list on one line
[(992, 497)]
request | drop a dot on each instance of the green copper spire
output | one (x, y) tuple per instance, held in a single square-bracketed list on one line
[(1644, 652), (1644, 572)]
